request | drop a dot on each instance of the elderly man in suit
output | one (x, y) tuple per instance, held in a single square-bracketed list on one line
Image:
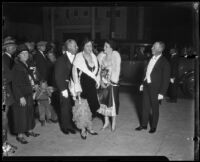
[(63, 72), (154, 87)]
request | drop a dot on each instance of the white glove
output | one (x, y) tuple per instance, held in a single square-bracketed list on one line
[(141, 87), (65, 93), (49, 99), (160, 97), (172, 80)]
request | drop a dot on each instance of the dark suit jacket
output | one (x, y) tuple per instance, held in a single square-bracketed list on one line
[(63, 72), (41, 66), (20, 81), (7, 64), (174, 63), (160, 75)]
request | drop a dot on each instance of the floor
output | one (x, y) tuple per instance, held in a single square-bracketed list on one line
[(173, 138)]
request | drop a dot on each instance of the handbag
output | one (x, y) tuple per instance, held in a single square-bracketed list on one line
[(82, 115)]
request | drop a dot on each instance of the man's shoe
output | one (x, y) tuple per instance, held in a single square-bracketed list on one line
[(140, 128), (71, 131), (54, 121), (152, 130)]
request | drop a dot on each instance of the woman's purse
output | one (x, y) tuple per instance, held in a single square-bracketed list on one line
[(82, 115)]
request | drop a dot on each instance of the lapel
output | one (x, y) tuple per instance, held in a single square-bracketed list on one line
[(157, 63), (68, 63), (43, 55)]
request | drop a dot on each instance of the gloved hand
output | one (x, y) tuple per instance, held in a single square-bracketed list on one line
[(65, 93), (141, 87), (160, 97), (172, 80)]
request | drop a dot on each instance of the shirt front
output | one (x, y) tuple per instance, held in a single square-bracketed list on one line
[(70, 56), (150, 67)]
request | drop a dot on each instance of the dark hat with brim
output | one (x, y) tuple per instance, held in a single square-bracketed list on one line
[(22, 47), (8, 43)]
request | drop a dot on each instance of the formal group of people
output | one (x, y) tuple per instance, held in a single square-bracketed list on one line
[(37, 81), (75, 87), (80, 78)]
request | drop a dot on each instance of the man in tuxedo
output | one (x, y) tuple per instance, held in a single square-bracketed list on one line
[(173, 86), (63, 72), (41, 61), (154, 87)]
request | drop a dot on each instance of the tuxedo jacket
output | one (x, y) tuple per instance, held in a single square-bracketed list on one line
[(41, 66), (63, 72), (160, 75)]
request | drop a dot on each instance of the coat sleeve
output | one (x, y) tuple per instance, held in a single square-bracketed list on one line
[(165, 77), (6, 71), (116, 68), (59, 75)]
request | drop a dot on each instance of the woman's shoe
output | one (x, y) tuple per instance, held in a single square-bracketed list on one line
[(21, 140), (92, 132), (32, 134), (83, 136), (113, 124), (113, 129)]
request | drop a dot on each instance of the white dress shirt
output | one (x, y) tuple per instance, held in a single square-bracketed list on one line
[(43, 54), (70, 56), (150, 67)]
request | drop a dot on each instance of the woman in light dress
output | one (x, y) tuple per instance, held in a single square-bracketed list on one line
[(110, 65)]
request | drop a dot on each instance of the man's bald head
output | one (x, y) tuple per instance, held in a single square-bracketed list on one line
[(71, 46)]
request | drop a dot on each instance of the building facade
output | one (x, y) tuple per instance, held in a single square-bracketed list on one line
[(61, 23)]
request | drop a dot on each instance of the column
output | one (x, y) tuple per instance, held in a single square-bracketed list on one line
[(140, 35), (52, 24), (93, 23)]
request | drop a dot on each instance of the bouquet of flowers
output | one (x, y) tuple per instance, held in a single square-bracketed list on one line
[(105, 77)]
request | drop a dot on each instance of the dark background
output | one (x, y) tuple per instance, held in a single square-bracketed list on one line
[(167, 21)]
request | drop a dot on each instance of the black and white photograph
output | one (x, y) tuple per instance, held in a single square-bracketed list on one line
[(107, 80)]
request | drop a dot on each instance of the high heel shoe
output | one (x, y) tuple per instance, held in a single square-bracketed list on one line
[(92, 132), (21, 140), (113, 129), (105, 126), (84, 136)]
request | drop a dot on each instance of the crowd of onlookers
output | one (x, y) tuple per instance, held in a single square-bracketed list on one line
[(28, 87), (31, 85)]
